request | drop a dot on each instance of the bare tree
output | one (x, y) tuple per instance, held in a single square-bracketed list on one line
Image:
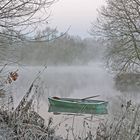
[(19, 19), (21, 16), (119, 23)]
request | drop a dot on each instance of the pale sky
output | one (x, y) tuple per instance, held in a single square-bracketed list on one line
[(75, 13)]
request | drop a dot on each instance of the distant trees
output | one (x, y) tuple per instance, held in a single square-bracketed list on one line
[(119, 23), (66, 50)]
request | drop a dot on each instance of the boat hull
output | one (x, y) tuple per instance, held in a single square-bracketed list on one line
[(77, 106)]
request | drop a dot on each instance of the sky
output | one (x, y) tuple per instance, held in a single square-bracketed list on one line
[(76, 14)]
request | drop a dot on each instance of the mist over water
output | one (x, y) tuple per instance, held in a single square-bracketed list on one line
[(75, 82), (67, 77), (68, 81)]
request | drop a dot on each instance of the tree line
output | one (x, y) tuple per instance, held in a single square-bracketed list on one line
[(66, 50)]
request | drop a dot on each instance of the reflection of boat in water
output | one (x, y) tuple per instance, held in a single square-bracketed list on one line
[(77, 106)]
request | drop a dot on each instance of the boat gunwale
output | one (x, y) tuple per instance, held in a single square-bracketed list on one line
[(80, 101)]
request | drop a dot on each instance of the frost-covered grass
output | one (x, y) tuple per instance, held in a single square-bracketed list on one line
[(23, 123)]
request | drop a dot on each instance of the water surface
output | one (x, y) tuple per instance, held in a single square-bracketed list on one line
[(67, 81)]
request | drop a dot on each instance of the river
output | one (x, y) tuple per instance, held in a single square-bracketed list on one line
[(66, 81)]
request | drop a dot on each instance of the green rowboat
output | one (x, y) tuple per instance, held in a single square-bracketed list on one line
[(71, 105)]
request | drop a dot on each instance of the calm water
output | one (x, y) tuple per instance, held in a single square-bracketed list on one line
[(67, 81), (72, 81)]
